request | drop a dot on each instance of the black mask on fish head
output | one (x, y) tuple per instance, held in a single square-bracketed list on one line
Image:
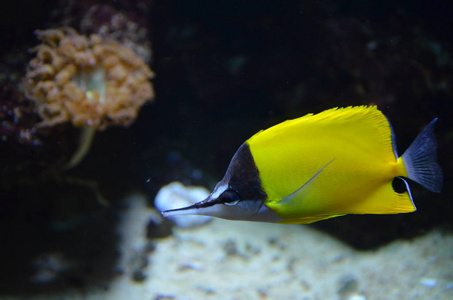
[(238, 196), (239, 192)]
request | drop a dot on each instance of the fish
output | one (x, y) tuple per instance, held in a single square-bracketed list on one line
[(340, 161)]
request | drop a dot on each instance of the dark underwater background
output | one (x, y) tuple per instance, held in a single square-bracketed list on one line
[(224, 70)]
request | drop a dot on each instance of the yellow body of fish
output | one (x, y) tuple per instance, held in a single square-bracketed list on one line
[(340, 161), (354, 144)]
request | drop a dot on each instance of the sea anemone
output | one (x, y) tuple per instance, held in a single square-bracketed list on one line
[(89, 81), (92, 82)]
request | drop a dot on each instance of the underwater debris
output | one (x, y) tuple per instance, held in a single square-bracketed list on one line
[(138, 263), (50, 266), (176, 195), (89, 81), (429, 282), (230, 248), (348, 289), (158, 227)]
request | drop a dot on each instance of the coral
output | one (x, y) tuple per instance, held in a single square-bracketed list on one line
[(89, 81), (107, 22), (16, 117)]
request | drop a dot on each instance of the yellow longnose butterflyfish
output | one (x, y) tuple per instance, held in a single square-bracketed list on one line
[(337, 162)]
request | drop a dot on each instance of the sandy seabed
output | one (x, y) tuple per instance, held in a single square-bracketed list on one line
[(245, 260)]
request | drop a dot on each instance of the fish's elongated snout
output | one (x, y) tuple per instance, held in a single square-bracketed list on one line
[(198, 208), (210, 206), (188, 210)]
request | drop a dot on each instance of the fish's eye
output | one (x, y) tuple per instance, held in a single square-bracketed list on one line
[(230, 198)]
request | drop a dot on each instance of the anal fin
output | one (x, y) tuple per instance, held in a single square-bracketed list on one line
[(308, 220), (385, 201)]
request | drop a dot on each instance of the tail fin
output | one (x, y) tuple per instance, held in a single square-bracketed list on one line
[(420, 160)]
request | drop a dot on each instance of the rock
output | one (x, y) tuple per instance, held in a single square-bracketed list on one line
[(176, 195)]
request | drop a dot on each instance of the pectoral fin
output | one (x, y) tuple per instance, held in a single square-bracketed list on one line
[(305, 189), (303, 206)]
